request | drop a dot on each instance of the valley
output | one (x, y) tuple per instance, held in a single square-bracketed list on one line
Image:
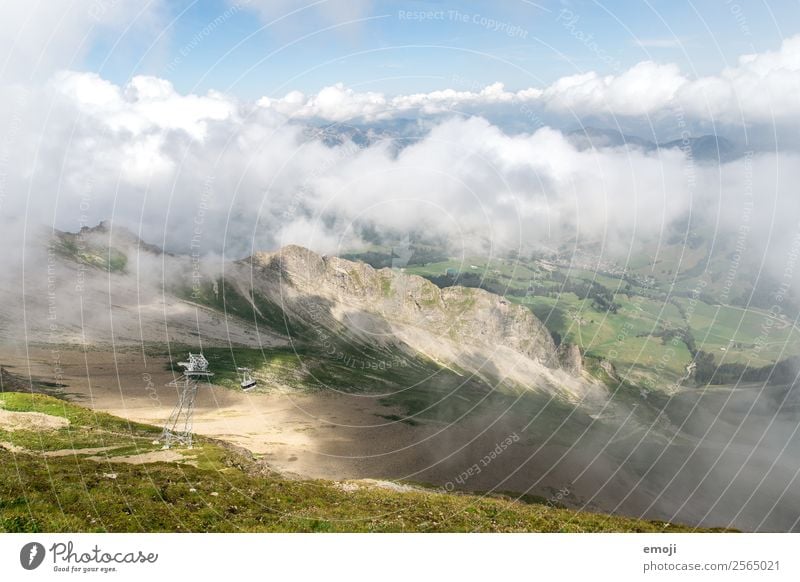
[(379, 374)]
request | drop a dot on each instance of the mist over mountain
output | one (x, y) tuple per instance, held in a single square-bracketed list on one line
[(544, 253), (459, 356), (704, 148)]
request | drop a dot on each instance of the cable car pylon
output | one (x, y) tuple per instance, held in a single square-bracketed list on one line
[(178, 428)]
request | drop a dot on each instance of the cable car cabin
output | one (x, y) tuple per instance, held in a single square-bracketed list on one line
[(248, 381)]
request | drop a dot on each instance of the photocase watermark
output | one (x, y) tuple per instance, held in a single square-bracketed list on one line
[(556, 498), (32, 555), (101, 7), (570, 20), (677, 339), (203, 33), (689, 170), (739, 16), (52, 287), (58, 370), (150, 388), (331, 347), (484, 462), (52, 311), (65, 558), (491, 24), (8, 139), (81, 247), (531, 115), (197, 235), (743, 231), (775, 312)]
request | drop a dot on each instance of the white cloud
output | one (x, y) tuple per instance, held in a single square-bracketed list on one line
[(147, 151), (37, 38), (334, 103), (339, 103), (641, 90), (144, 104), (155, 160), (762, 87), (85, 149)]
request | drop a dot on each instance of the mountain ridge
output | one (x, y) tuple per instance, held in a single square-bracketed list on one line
[(704, 148), (411, 299)]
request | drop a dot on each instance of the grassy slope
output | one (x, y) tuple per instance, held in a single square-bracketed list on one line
[(75, 493), (633, 337), (623, 336), (728, 332), (73, 247)]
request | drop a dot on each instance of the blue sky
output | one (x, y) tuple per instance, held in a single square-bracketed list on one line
[(455, 46), (88, 77)]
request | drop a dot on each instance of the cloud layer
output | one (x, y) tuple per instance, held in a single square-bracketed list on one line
[(210, 174), (760, 88), (37, 38)]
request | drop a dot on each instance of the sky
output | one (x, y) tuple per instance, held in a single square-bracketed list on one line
[(254, 48), (144, 113)]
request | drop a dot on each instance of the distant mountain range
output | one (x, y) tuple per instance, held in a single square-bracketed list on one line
[(399, 132), (704, 148), (404, 132)]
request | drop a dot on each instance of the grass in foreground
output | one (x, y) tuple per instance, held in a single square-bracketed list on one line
[(229, 491)]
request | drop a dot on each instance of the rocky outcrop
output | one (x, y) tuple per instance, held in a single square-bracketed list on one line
[(609, 369), (467, 316), (570, 358)]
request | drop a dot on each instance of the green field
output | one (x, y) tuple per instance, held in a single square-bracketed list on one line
[(650, 333)]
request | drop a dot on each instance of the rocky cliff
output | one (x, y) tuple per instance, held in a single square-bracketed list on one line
[(466, 316)]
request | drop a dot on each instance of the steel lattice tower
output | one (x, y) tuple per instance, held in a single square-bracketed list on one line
[(178, 428)]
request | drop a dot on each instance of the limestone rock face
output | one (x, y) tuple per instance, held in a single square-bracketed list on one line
[(465, 316), (609, 369), (570, 358), (340, 308)]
